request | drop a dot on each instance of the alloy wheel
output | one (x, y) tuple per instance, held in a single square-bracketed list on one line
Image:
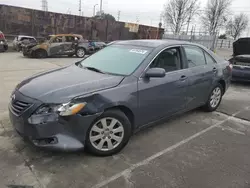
[(106, 134), (80, 52), (215, 97)]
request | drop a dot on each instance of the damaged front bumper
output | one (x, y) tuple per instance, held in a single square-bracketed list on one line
[(50, 130)]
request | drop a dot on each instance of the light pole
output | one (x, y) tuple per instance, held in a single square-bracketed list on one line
[(94, 9)]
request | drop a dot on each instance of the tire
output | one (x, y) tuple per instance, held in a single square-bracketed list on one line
[(104, 138), (80, 52), (5, 48), (212, 106), (40, 54)]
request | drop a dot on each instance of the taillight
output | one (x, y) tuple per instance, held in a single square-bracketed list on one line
[(1, 36), (231, 66)]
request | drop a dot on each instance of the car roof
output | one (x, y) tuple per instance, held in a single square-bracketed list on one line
[(25, 36), (151, 43), (74, 35)]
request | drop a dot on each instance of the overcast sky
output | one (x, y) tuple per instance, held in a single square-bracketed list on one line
[(147, 11)]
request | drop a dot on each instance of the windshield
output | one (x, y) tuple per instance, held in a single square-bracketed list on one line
[(117, 59)]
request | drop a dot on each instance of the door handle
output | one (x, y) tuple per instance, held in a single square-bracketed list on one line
[(183, 78)]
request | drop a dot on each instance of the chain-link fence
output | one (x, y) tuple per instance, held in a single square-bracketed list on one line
[(195, 37)]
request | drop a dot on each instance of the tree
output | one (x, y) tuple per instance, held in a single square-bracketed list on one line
[(178, 13), (237, 25), (106, 17), (215, 15)]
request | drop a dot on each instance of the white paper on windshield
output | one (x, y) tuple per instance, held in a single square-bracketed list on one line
[(138, 51)]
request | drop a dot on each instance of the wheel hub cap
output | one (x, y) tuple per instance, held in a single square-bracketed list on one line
[(106, 134)]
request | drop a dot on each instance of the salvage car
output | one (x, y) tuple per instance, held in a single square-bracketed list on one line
[(22, 40), (58, 45), (3, 43), (99, 102), (241, 60)]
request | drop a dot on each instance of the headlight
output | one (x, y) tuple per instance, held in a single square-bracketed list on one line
[(66, 109), (1, 42), (70, 108)]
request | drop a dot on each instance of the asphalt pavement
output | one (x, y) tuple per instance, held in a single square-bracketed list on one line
[(195, 150)]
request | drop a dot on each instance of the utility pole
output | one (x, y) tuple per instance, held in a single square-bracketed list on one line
[(94, 10), (118, 15), (137, 19), (45, 5), (100, 6), (80, 7)]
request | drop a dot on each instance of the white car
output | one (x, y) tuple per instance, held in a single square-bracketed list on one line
[(21, 39)]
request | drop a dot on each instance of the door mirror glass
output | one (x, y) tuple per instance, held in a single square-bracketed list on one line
[(155, 73)]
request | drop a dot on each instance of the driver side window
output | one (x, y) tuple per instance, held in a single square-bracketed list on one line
[(169, 60), (58, 39)]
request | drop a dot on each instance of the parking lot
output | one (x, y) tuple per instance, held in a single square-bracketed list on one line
[(195, 150)]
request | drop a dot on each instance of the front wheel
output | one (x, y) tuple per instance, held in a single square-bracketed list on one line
[(40, 54), (80, 52), (109, 133), (214, 99)]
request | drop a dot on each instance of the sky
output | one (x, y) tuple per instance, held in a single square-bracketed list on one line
[(145, 11)]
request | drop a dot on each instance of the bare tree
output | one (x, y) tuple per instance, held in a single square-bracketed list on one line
[(215, 15), (178, 13), (237, 25)]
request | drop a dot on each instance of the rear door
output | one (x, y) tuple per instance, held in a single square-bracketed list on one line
[(160, 97), (200, 78), (68, 45)]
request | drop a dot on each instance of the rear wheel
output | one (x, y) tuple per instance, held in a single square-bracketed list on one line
[(109, 133), (40, 54), (214, 98), (80, 52)]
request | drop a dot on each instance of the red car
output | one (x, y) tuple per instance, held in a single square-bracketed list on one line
[(3, 42)]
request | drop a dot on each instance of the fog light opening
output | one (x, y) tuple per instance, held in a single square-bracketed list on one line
[(45, 141)]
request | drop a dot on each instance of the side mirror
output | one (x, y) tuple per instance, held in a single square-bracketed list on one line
[(155, 73)]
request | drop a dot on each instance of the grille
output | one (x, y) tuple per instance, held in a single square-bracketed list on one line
[(18, 107)]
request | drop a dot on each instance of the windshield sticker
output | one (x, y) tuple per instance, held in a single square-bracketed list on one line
[(138, 51)]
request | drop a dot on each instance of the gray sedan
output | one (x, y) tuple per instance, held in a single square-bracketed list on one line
[(99, 102)]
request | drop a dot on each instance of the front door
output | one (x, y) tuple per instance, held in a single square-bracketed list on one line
[(200, 78), (160, 97), (56, 46)]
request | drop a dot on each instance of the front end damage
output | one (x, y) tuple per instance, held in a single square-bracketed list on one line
[(49, 130)]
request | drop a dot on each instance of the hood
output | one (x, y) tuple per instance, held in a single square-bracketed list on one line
[(44, 46), (61, 85)]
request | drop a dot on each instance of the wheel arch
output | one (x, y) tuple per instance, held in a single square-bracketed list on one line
[(223, 84), (127, 111), (38, 49)]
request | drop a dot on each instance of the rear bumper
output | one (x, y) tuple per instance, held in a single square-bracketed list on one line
[(51, 131), (240, 75)]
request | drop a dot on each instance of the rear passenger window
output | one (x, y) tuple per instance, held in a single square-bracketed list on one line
[(195, 56), (209, 59)]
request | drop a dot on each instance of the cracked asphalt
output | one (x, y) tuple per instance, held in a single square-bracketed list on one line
[(195, 150)]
